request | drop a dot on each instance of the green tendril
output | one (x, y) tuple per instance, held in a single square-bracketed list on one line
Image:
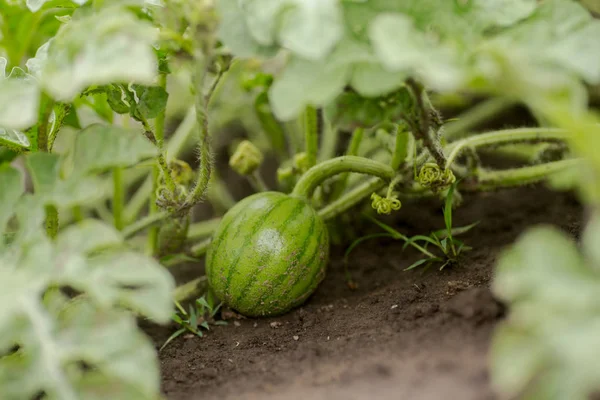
[(385, 205), (433, 177)]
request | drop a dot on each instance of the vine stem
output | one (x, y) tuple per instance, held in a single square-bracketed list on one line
[(351, 198), (521, 176), (505, 137), (46, 105), (353, 146), (202, 102), (190, 289), (118, 201), (320, 172), (257, 182), (311, 126), (401, 147), (203, 229), (474, 116), (144, 223), (159, 135), (174, 148), (423, 128), (153, 209)]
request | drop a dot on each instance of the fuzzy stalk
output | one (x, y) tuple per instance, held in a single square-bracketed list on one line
[(489, 180), (311, 135), (153, 209), (474, 116), (424, 128), (509, 136), (46, 104), (190, 289), (203, 229), (401, 148), (317, 174), (146, 222), (351, 198), (353, 146), (205, 154), (173, 148), (118, 200)]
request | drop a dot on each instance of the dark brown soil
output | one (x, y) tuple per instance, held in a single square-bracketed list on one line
[(400, 335)]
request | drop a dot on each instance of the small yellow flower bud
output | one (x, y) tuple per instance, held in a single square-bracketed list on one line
[(246, 159)]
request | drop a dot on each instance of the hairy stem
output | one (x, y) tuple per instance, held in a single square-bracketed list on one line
[(487, 180), (153, 209), (190, 289), (257, 182), (46, 104), (205, 157), (159, 137), (144, 223), (270, 125), (311, 136), (317, 174), (173, 148), (424, 129), (400, 148), (353, 146), (329, 141), (51, 221), (198, 250), (203, 229), (474, 116), (118, 200), (351, 198), (509, 136)]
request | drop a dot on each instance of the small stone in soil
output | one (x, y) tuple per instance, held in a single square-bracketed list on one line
[(296, 337), (394, 306), (275, 324)]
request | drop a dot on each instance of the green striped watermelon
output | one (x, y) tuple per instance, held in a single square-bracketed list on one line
[(268, 254)]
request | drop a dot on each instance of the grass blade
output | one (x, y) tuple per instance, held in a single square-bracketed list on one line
[(172, 337), (364, 238), (387, 228), (417, 263), (419, 237)]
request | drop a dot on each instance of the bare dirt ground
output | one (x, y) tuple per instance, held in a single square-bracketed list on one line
[(400, 335)]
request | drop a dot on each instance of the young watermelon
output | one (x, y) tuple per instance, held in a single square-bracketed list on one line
[(268, 254)]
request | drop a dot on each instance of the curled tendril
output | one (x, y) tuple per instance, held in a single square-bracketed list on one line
[(432, 176), (246, 158), (385, 205)]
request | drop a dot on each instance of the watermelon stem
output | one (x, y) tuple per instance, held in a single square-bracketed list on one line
[(320, 172), (504, 137)]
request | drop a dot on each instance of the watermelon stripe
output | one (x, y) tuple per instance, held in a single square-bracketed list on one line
[(249, 237), (241, 224), (219, 240), (314, 281), (295, 264), (310, 262), (252, 279), (302, 276)]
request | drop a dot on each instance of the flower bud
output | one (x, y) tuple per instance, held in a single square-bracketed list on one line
[(246, 159)]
